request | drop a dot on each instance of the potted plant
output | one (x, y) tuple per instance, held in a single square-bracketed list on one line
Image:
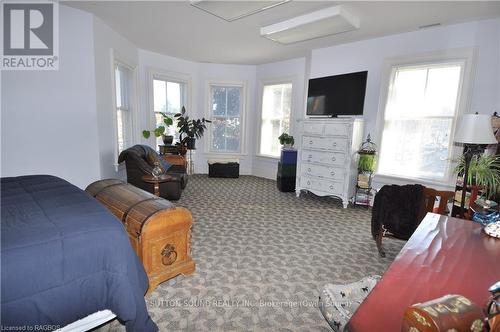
[(484, 172), (286, 140), (190, 129), (160, 130), (366, 162)]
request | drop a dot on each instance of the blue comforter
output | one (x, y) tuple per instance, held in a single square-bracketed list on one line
[(64, 256)]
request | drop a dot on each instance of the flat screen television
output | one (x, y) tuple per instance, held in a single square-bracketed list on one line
[(342, 95)]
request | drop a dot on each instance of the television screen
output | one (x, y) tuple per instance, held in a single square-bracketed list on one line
[(337, 95)]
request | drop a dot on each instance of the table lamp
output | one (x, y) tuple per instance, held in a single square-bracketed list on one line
[(474, 131)]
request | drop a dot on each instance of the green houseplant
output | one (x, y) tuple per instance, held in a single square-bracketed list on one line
[(190, 129), (367, 162), (286, 140), (484, 172), (160, 130)]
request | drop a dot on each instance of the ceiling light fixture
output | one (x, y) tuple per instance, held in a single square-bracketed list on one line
[(324, 22), (234, 10)]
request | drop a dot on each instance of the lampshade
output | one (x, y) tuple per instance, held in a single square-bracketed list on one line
[(475, 129)]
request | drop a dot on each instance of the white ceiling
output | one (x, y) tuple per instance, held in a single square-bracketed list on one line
[(181, 30)]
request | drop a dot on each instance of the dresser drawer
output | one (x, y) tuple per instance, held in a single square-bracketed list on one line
[(336, 129), (333, 158), (331, 187), (325, 143), (313, 128), (327, 172)]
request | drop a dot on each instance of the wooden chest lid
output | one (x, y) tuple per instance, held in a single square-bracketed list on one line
[(94, 188), (133, 206)]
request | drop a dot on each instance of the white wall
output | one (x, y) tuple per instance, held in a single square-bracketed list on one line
[(109, 45), (66, 126), (370, 55), (229, 73), (49, 120), (295, 70), (199, 74)]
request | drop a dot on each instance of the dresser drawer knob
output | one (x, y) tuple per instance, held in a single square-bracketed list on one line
[(309, 169), (334, 144), (308, 183), (310, 142), (331, 187), (332, 173), (333, 158)]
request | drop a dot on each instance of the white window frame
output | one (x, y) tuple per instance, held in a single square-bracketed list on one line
[(208, 115), (262, 84), (161, 74), (116, 58), (468, 57)]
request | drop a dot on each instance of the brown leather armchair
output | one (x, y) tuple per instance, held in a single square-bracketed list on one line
[(137, 164)]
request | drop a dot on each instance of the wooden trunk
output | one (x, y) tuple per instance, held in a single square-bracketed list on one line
[(159, 232)]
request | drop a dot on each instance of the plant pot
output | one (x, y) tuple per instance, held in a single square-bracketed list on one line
[(182, 150), (191, 143), (167, 139)]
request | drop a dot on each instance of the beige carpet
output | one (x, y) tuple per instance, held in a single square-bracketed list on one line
[(261, 257)]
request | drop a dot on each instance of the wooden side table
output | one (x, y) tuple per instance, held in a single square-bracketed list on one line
[(175, 159), (156, 181)]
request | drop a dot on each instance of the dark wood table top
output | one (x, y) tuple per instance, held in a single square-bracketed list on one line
[(160, 179), (444, 256)]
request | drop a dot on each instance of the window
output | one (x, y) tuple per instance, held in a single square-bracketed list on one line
[(123, 89), (226, 106), (168, 97), (420, 112), (276, 108)]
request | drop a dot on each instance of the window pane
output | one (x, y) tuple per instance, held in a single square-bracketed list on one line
[(226, 110), (160, 96), (416, 148), (168, 97), (219, 101), (218, 133), (442, 90), (233, 102), (276, 108), (173, 97), (123, 84), (420, 111)]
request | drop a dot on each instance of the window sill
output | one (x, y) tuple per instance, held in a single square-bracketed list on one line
[(443, 185), (265, 156)]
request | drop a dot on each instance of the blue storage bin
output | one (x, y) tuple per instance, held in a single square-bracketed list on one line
[(288, 157)]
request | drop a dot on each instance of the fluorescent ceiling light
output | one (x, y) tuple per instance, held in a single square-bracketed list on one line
[(324, 22), (233, 10)]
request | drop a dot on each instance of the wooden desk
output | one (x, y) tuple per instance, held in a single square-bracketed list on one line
[(444, 256)]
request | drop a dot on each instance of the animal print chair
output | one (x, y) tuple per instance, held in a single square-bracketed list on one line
[(338, 303)]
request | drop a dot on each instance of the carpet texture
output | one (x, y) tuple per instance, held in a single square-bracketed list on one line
[(261, 258)]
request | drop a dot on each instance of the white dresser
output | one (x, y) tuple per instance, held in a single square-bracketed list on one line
[(327, 157)]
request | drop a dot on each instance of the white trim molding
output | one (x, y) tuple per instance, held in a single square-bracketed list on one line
[(116, 58), (261, 84), (466, 56), (243, 116), (170, 76)]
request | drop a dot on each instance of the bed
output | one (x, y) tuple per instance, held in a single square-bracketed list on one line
[(64, 257)]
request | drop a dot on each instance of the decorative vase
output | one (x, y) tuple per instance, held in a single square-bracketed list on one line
[(191, 143), (167, 139), (157, 171)]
